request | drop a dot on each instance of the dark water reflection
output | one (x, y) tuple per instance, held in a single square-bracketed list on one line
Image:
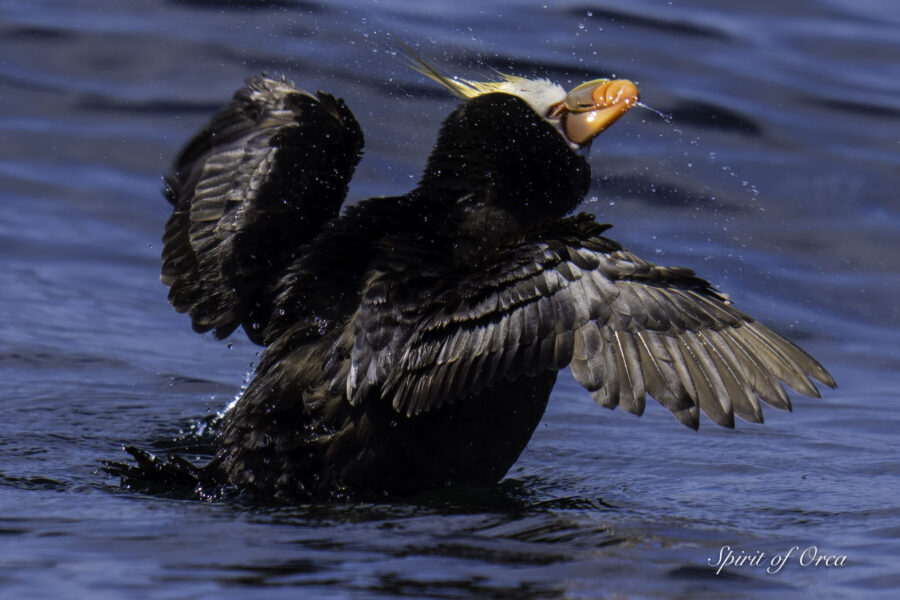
[(776, 179)]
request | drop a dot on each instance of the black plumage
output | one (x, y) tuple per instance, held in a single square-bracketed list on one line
[(413, 341)]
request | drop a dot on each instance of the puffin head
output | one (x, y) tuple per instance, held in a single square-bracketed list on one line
[(513, 151), (579, 115)]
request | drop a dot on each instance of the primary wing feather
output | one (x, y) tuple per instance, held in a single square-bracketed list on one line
[(248, 191), (569, 296)]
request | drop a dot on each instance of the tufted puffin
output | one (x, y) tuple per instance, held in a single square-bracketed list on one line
[(412, 342)]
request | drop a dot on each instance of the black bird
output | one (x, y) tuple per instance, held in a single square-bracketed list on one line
[(412, 342)]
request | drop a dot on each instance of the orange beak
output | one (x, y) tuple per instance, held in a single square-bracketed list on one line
[(593, 106)]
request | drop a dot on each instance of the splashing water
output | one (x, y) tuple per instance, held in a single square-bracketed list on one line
[(665, 117), (753, 191)]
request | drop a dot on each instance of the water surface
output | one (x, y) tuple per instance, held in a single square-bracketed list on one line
[(776, 179)]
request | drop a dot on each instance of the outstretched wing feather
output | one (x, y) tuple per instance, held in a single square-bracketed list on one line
[(248, 191), (626, 327)]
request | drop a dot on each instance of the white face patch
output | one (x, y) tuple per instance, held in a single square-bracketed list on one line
[(540, 94)]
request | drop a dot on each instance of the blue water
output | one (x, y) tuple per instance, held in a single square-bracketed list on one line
[(776, 179)]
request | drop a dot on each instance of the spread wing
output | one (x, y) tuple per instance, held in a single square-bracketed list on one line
[(249, 190), (626, 327)]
